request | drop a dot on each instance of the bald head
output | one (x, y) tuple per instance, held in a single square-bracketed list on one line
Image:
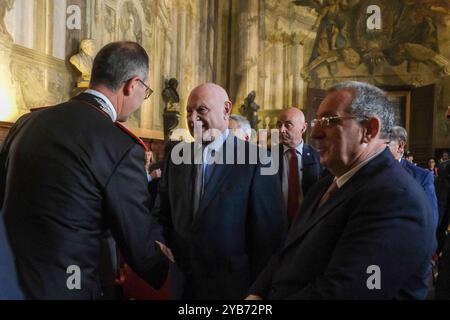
[(292, 113), (210, 90), (208, 106), (292, 125)]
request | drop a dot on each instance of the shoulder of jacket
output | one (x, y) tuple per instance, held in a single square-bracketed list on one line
[(132, 135)]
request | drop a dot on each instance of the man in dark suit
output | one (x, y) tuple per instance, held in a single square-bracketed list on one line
[(223, 219), (9, 288), (71, 176), (443, 280), (424, 178), (443, 163), (443, 196), (299, 163), (365, 234)]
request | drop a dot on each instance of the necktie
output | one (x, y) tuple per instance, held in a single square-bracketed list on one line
[(293, 186), (209, 166), (331, 189), (198, 188)]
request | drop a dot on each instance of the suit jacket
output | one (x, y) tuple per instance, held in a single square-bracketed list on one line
[(220, 249), (380, 217), (153, 185), (443, 195), (426, 179), (311, 171), (443, 281), (70, 176), (10, 288)]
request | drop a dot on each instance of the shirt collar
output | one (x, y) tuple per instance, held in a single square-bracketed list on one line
[(108, 103), (298, 149), (340, 181)]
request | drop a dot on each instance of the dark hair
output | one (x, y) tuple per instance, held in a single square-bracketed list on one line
[(118, 62)]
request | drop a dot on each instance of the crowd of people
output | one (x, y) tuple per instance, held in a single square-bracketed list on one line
[(347, 217)]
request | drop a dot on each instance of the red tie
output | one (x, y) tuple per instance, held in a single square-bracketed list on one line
[(293, 186)]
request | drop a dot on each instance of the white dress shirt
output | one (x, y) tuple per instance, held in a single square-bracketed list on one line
[(108, 106)]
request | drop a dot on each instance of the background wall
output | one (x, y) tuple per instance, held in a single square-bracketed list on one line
[(243, 45)]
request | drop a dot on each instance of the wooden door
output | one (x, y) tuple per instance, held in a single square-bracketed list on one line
[(421, 123)]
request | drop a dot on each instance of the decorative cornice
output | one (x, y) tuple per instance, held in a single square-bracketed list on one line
[(35, 56)]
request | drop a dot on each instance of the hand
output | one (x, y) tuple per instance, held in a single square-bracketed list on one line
[(167, 252), (253, 297), (155, 174)]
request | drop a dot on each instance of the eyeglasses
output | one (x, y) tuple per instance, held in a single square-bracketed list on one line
[(327, 122), (148, 90)]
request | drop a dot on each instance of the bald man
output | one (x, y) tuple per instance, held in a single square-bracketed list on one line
[(223, 220), (299, 162)]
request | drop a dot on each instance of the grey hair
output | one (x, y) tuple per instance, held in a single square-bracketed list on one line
[(369, 102), (243, 123), (119, 62), (399, 134)]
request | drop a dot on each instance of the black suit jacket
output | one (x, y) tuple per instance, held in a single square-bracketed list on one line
[(443, 196), (443, 281), (312, 170), (380, 217), (238, 226), (426, 180), (70, 176), (9, 288)]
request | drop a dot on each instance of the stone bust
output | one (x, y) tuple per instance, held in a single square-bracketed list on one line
[(83, 61)]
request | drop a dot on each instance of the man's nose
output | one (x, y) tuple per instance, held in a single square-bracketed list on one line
[(192, 117)]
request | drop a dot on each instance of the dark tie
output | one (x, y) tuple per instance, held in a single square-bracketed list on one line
[(331, 189), (209, 167), (198, 188), (293, 186)]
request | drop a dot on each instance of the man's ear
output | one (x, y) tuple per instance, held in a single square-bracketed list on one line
[(129, 86), (401, 147), (305, 127), (372, 128), (228, 108)]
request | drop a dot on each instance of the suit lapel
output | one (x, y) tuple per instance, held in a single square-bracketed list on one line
[(307, 157), (280, 163), (186, 179), (347, 191), (218, 175), (308, 172), (306, 211)]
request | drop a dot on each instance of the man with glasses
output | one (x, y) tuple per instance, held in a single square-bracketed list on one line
[(148, 90), (367, 232), (85, 182)]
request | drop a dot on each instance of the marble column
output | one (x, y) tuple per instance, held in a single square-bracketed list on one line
[(8, 109), (182, 53), (252, 47), (277, 71), (297, 64)]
